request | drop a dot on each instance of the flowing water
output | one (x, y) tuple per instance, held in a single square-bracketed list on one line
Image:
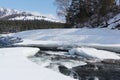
[(77, 66)]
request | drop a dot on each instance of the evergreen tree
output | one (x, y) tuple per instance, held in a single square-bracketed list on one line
[(106, 6), (90, 12), (73, 11)]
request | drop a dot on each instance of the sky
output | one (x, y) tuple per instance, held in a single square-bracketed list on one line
[(41, 6)]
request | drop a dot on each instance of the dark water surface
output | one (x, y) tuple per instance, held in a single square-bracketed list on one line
[(78, 67)]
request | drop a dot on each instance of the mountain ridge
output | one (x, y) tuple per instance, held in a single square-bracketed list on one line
[(13, 14)]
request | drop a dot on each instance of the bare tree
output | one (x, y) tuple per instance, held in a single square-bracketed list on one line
[(63, 6)]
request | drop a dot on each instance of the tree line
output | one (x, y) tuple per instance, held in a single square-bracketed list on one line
[(21, 25)]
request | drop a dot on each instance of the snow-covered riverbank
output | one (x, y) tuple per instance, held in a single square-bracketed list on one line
[(14, 65), (102, 39), (82, 46)]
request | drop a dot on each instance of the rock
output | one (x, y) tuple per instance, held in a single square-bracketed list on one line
[(64, 70), (102, 71), (69, 72), (111, 61)]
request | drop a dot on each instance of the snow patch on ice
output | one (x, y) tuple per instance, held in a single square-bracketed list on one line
[(14, 65), (92, 52)]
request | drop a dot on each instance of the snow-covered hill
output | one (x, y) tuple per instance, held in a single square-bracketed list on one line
[(11, 14)]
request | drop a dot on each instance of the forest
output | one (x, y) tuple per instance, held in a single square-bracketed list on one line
[(7, 26), (87, 13)]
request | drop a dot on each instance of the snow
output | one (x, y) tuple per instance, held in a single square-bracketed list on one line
[(104, 39), (109, 47), (38, 43), (83, 42), (91, 52), (26, 15), (14, 65), (6, 12), (62, 37), (117, 17), (117, 2), (34, 17), (113, 22)]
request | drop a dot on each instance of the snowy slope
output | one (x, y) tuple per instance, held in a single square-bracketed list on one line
[(114, 22), (14, 65), (6, 12), (11, 14)]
